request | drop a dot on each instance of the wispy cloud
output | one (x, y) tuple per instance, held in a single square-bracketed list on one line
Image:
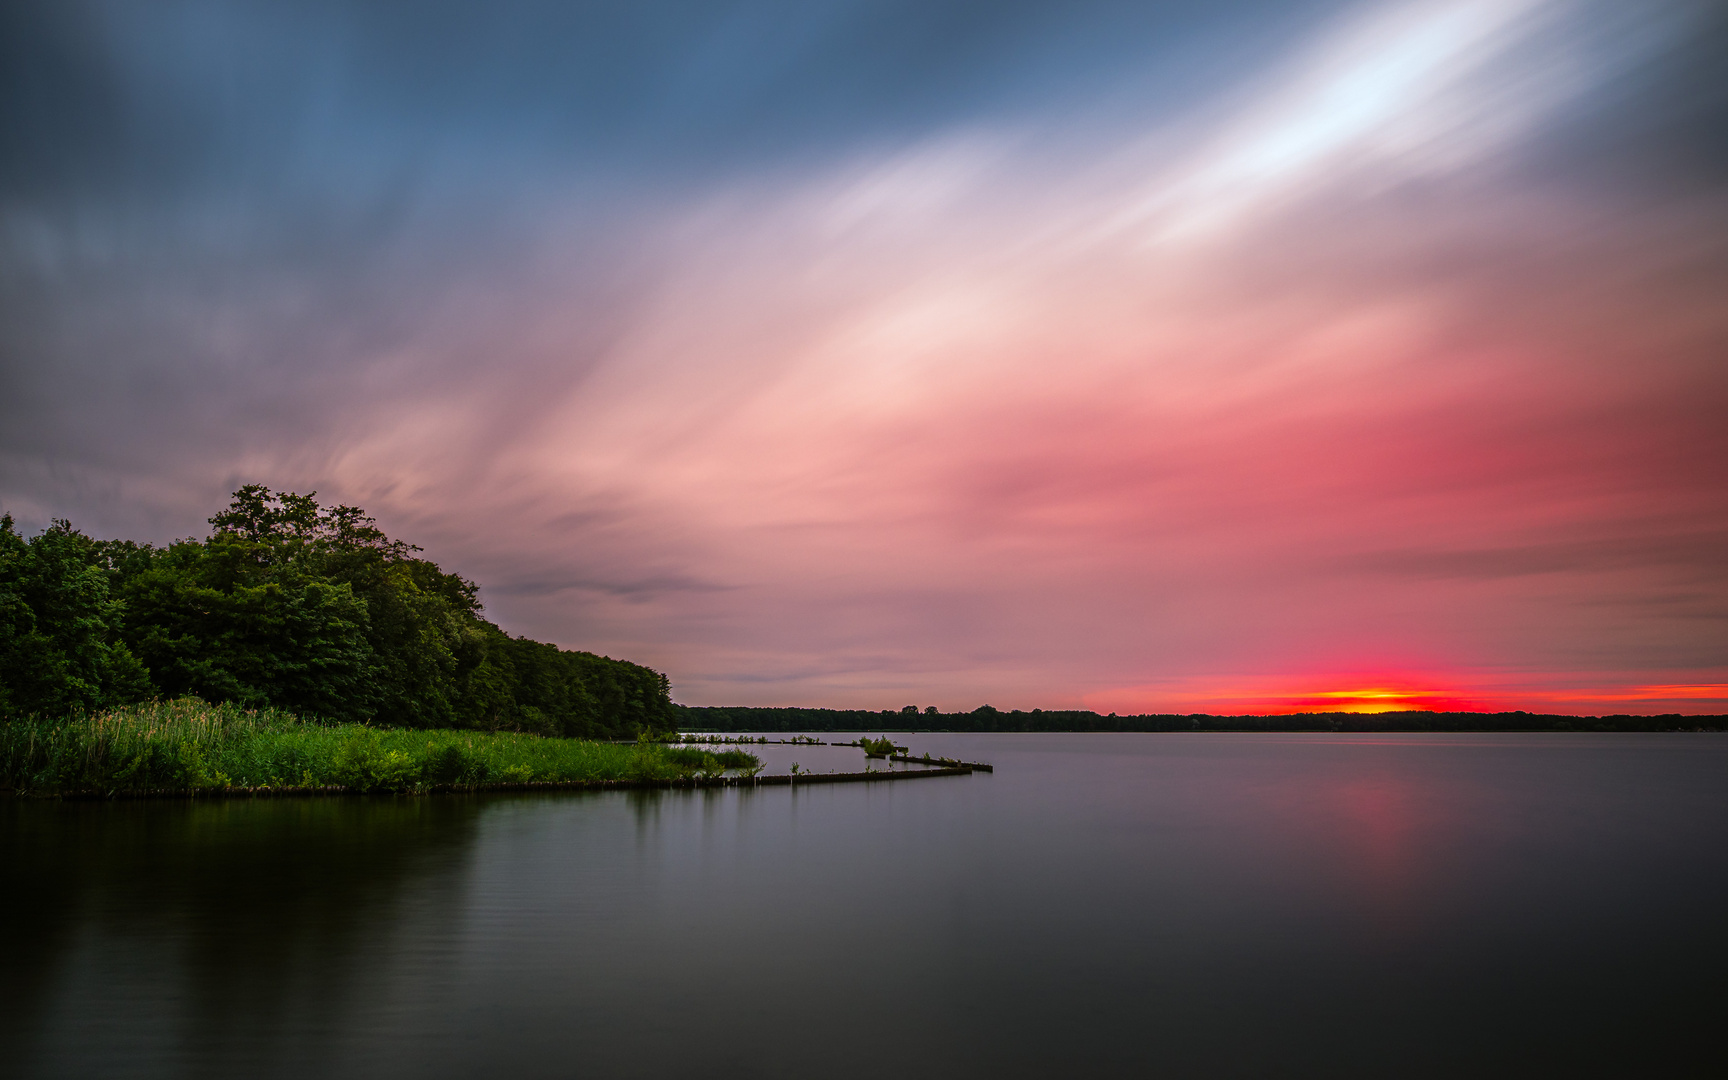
[(1316, 369)]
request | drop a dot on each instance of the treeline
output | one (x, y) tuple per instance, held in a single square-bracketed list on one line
[(987, 718), (294, 606)]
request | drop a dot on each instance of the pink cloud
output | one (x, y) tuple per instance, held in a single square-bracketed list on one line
[(1325, 404)]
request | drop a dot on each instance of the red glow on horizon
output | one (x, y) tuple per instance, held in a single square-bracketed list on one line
[(1380, 693), (1352, 693), (1375, 699)]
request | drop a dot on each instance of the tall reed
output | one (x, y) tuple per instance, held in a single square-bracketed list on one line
[(189, 745)]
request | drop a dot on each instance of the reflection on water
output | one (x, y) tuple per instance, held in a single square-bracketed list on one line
[(234, 924), (1376, 824), (1185, 905)]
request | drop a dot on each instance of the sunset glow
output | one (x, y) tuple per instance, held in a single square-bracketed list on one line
[(1271, 697), (1316, 357), (1354, 694)]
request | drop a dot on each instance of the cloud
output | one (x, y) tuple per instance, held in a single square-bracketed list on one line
[(1308, 368)]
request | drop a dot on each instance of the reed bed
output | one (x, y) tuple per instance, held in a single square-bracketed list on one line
[(190, 745)]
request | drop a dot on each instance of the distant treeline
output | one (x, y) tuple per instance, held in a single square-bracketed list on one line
[(293, 606), (986, 718)]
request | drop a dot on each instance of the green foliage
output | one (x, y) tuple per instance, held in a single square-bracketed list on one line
[(60, 645), (291, 605), (710, 762), (188, 744), (218, 620)]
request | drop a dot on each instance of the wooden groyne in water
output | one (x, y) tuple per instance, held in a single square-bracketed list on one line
[(848, 777), (946, 763), (687, 783)]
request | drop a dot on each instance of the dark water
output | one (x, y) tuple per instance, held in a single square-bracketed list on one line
[(1133, 905)]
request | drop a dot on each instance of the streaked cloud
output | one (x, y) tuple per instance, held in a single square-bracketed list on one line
[(1302, 374)]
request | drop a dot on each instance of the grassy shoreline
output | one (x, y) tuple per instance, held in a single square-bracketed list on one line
[(190, 747)]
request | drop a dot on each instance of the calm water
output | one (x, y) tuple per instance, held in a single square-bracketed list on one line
[(1169, 905)]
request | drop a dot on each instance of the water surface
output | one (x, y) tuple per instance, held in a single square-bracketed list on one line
[(1139, 904)]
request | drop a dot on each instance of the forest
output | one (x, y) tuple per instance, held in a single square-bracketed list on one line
[(292, 606)]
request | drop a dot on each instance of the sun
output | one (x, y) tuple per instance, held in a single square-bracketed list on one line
[(1375, 699)]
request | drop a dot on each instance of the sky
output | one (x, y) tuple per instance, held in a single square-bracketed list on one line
[(1133, 356)]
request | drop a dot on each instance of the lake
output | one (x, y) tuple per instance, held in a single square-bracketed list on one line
[(1122, 905)]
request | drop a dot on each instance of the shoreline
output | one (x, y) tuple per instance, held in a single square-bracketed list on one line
[(682, 783)]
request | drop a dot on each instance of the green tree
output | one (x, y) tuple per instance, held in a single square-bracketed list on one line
[(227, 621), (303, 607), (59, 643)]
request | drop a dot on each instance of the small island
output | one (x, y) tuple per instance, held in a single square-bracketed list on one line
[(298, 650)]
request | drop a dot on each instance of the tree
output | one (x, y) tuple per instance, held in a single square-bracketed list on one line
[(59, 642), (315, 609)]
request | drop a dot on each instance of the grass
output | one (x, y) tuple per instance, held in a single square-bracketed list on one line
[(189, 745), (878, 747)]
